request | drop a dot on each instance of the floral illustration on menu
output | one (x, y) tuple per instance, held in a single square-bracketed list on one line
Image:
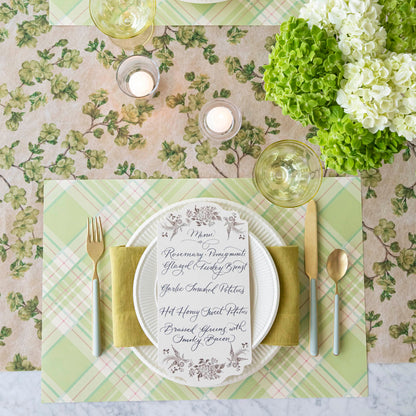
[(208, 368), (200, 216)]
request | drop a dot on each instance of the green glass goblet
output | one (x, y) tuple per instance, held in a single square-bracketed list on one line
[(288, 173), (128, 23)]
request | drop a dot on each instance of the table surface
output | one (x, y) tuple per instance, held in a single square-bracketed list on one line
[(391, 393), (86, 131)]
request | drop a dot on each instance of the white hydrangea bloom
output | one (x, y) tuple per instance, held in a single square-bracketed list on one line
[(405, 125), (403, 67), (366, 94), (354, 22), (326, 14), (337, 14), (381, 93)]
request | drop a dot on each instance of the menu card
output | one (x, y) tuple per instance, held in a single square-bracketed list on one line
[(204, 331)]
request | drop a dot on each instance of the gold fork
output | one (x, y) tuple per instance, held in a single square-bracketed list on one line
[(95, 249)]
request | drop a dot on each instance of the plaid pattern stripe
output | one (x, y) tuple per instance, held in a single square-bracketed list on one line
[(176, 12), (70, 373)]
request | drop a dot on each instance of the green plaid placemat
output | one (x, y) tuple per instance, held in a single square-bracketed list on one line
[(175, 12), (71, 374)]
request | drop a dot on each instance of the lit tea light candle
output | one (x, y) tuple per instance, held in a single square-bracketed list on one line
[(141, 83), (219, 119)]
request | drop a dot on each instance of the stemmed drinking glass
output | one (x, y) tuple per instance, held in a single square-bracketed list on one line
[(128, 23), (288, 173)]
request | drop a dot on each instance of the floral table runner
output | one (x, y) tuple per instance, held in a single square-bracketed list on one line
[(71, 373), (64, 117), (177, 12)]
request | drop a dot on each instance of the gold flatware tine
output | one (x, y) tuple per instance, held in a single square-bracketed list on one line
[(95, 249)]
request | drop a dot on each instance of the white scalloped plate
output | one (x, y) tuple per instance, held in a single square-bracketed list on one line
[(261, 229)]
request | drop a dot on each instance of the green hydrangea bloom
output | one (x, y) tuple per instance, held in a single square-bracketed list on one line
[(347, 147), (304, 72)]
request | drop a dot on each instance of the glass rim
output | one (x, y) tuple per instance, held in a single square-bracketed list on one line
[(300, 144)]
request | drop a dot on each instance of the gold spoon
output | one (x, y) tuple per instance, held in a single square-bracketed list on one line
[(337, 266)]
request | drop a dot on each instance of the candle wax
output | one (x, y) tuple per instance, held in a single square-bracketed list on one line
[(141, 83), (220, 119)]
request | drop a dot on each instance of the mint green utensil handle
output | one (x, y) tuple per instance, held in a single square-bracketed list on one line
[(336, 325), (313, 319), (96, 333)]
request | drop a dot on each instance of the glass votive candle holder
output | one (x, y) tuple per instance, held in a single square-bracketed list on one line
[(138, 76), (219, 119)]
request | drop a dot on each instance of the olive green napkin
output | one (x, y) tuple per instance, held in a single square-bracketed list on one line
[(285, 329), (127, 331)]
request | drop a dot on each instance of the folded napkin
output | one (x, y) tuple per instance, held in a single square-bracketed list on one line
[(126, 328)]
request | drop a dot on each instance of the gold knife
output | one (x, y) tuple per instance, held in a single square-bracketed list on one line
[(311, 270)]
